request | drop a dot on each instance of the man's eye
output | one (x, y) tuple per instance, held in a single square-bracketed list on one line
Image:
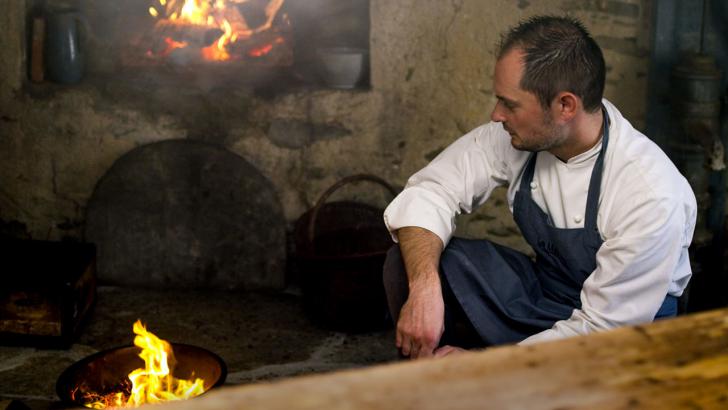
[(509, 105)]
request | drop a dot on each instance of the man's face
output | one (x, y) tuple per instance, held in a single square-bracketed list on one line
[(531, 128)]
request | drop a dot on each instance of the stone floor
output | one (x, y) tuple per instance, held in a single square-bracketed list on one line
[(259, 336)]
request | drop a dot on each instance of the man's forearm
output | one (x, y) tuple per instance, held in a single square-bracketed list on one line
[(421, 320), (421, 251)]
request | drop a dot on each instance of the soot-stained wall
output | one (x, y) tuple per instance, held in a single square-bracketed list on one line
[(430, 82)]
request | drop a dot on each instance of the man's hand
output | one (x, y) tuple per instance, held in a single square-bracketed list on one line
[(421, 321), (449, 350)]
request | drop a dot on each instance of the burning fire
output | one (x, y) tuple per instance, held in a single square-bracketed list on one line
[(216, 24), (152, 384)]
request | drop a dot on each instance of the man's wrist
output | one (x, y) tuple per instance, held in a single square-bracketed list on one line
[(425, 283)]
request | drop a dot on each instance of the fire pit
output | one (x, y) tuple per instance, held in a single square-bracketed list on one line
[(106, 378)]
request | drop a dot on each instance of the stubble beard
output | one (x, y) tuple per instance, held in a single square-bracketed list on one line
[(548, 137)]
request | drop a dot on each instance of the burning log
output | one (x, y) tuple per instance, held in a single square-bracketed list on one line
[(274, 46), (193, 36), (238, 24)]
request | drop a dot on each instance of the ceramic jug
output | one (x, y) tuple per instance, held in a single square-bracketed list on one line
[(64, 57)]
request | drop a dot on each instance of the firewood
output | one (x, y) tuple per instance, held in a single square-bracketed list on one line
[(194, 35)]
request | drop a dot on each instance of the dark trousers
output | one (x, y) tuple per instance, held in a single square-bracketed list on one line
[(458, 329)]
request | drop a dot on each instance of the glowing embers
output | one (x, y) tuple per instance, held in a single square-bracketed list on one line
[(220, 30)]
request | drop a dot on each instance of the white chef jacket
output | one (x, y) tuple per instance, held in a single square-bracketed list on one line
[(646, 216)]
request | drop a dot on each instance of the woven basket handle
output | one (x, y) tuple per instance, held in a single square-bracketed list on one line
[(333, 188)]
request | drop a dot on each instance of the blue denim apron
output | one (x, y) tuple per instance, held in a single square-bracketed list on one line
[(505, 295)]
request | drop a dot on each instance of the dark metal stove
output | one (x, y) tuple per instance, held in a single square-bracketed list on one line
[(48, 290)]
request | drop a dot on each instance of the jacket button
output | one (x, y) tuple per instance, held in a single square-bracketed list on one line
[(533, 185), (577, 219)]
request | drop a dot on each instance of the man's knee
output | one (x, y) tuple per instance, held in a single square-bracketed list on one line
[(393, 271), (394, 277)]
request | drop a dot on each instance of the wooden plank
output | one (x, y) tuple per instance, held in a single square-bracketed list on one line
[(677, 363)]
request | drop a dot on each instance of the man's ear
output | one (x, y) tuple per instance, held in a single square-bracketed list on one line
[(566, 105)]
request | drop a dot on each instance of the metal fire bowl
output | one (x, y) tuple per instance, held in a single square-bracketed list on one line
[(107, 370)]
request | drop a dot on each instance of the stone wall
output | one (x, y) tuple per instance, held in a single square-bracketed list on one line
[(431, 74)]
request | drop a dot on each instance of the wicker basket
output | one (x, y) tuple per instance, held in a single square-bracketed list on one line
[(340, 251)]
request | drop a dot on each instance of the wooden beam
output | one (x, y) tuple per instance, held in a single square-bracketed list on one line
[(677, 363)]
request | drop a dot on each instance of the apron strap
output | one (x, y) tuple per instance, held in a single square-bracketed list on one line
[(595, 185), (528, 175)]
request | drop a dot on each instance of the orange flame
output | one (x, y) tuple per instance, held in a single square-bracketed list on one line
[(154, 383), (215, 14), (172, 45), (218, 51)]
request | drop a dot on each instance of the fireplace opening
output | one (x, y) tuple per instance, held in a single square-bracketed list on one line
[(228, 30), (274, 45)]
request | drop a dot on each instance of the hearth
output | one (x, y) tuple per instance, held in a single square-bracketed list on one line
[(249, 44), (259, 336)]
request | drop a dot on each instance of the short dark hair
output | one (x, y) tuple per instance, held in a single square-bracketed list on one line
[(559, 55)]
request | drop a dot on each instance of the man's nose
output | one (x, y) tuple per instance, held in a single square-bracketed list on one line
[(496, 115)]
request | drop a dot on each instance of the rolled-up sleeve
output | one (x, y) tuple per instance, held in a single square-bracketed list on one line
[(458, 180), (422, 207)]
